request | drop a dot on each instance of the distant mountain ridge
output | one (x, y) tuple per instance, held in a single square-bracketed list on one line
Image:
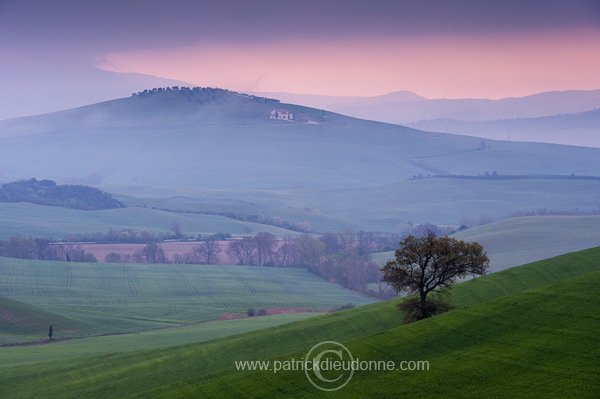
[(403, 112), (404, 107), (494, 119), (581, 129)]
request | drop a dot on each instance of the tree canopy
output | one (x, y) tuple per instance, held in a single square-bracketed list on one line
[(47, 192), (430, 263)]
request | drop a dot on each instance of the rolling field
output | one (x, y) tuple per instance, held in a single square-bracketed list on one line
[(55, 222), (380, 208), (443, 201), (113, 298), (164, 337), (532, 344), (521, 240), (520, 332), (516, 241)]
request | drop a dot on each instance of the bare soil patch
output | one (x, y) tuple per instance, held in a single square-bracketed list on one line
[(170, 248)]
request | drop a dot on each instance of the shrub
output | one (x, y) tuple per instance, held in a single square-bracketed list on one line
[(411, 308)]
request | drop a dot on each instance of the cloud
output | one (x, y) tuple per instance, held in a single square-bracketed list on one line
[(116, 25), (493, 65)]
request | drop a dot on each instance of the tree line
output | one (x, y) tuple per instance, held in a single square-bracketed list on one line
[(340, 257), (206, 95), (27, 247), (47, 192)]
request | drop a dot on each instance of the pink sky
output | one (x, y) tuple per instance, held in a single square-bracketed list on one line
[(485, 66)]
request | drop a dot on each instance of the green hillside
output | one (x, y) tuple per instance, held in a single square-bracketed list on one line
[(537, 343), (21, 322), (108, 298), (526, 337)]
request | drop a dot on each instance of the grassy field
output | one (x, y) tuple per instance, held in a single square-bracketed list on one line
[(379, 208), (113, 298), (444, 201), (521, 240), (516, 241), (537, 343), (522, 332), (114, 343), (55, 222)]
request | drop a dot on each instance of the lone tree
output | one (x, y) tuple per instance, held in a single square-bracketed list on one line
[(50, 332), (432, 263)]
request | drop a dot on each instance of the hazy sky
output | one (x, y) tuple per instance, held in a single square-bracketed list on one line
[(436, 48)]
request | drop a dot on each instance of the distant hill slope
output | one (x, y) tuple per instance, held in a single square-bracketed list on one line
[(515, 241), (498, 330), (581, 129), (175, 138), (60, 223), (520, 240), (386, 109)]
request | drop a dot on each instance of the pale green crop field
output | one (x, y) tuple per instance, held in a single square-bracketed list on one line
[(102, 298), (59, 223)]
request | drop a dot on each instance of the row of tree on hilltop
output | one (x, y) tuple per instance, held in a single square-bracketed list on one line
[(205, 95)]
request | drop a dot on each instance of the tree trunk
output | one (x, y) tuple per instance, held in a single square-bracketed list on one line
[(424, 311)]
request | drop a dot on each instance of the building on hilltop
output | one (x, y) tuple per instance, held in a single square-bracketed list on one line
[(281, 114)]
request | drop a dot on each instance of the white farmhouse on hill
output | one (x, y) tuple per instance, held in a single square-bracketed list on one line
[(281, 114)]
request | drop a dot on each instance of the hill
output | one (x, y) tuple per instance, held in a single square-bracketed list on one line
[(530, 344), (213, 145), (388, 109), (217, 139), (571, 129), (501, 338), (514, 241)]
